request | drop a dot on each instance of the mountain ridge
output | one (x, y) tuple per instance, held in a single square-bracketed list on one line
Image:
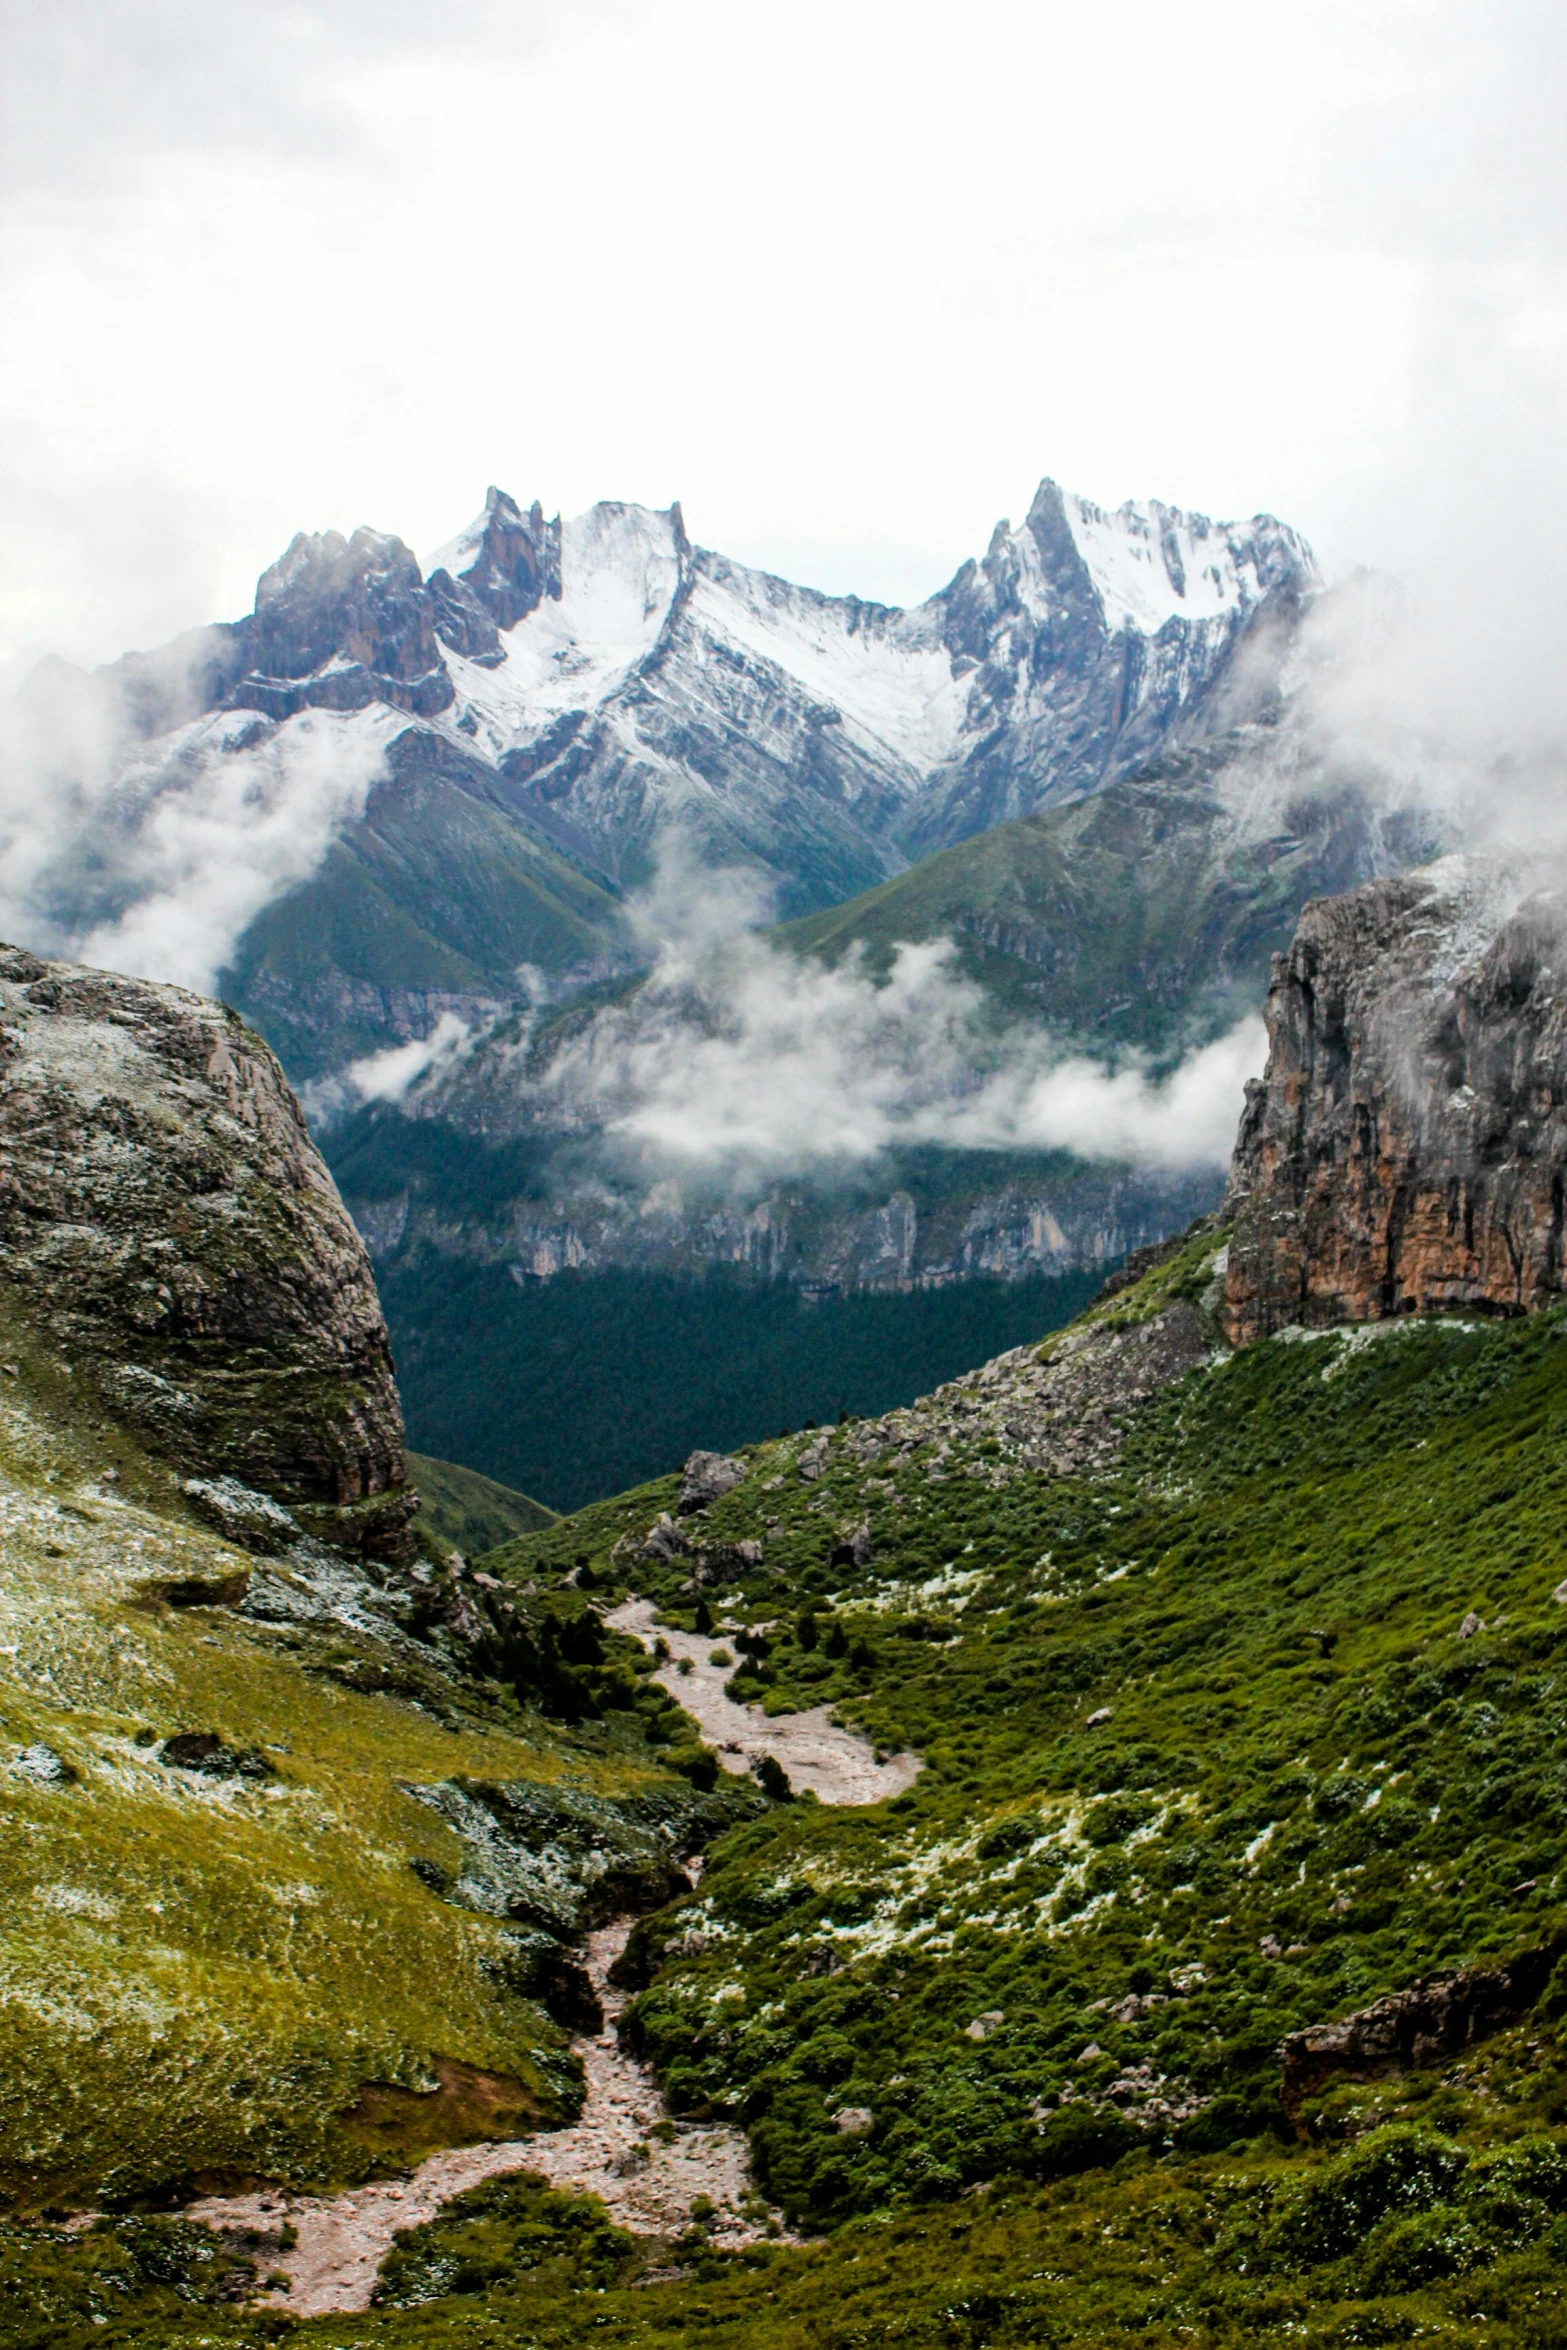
[(568, 699)]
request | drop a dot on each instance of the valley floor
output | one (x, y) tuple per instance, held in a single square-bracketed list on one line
[(1239, 1686)]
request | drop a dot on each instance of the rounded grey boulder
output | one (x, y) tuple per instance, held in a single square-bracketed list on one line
[(170, 1238)]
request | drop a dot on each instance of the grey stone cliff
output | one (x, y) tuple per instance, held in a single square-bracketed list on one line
[(1406, 1150), (170, 1238)]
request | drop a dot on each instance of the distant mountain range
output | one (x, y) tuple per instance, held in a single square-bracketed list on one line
[(464, 801), (542, 715)]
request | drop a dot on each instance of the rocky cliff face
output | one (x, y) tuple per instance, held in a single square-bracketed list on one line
[(170, 1239), (952, 1222), (1406, 1150)]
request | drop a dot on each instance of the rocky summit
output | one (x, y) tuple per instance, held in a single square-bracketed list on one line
[(1405, 1152)]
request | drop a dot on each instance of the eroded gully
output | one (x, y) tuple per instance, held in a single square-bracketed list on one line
[(620, 2147)]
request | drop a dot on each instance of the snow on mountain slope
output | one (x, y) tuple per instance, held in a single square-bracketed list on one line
[(1097, 641), (658, 686), (893, 675), (1151, 564), (620, 570), (591, 693), (887, 672)]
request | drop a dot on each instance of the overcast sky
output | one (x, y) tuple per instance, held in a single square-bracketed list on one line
[(846, 277)]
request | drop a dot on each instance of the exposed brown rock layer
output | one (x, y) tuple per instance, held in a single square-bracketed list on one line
[(169, 1233), (1405, 1152), (1434, 2020)]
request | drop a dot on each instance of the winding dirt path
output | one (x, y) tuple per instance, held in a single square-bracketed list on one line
[(647, 2182), (819, 1754), (647, 2185)]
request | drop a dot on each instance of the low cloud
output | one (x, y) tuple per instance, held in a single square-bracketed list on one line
[(157, 863), (745, 1060), (388, 1076)]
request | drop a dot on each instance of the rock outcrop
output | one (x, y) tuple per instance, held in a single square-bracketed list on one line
[(171, 1241), (1405, 1152), (1057, 1410), (708, 1477), (1433, 2021)]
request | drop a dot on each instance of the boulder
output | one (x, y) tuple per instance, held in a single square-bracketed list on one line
[(205, 1752), (852, 1546), (709, 1476), (170, 1237)]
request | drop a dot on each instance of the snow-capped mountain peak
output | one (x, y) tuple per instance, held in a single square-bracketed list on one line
[(602, 687), (1085, 634), (1146, 563), (1151, 564)]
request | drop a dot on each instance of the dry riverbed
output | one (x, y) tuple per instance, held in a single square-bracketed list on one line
[(647, 2183), (821, 1757), (623, 2147)]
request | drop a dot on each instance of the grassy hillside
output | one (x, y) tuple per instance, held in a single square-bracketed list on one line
[(1132, 917), (439, 888), (1237, 1734), (471, 1512), (1212, 1709), (209, 1949)]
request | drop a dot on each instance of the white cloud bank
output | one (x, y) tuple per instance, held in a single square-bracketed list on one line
[(157, 865), (751, 1058), (742, 1062)]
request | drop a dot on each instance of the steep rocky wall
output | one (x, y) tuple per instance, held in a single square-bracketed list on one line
[(841, 1240), (170, 1235), (1405, 1150)]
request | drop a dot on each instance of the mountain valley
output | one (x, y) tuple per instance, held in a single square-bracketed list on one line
[(1136, 924), (481, 846), (1204, 1980)]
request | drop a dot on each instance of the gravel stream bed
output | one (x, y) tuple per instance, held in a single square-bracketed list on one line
[(614, 2150)]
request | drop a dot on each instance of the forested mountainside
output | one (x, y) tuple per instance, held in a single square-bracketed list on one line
[(1189, 1959)]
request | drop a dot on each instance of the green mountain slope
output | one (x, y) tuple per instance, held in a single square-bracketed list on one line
[(266, 1908), (1145, 914), (207, 1954), (1256, 1725), (1251, 1722), (440, 891), (471, 1512)]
